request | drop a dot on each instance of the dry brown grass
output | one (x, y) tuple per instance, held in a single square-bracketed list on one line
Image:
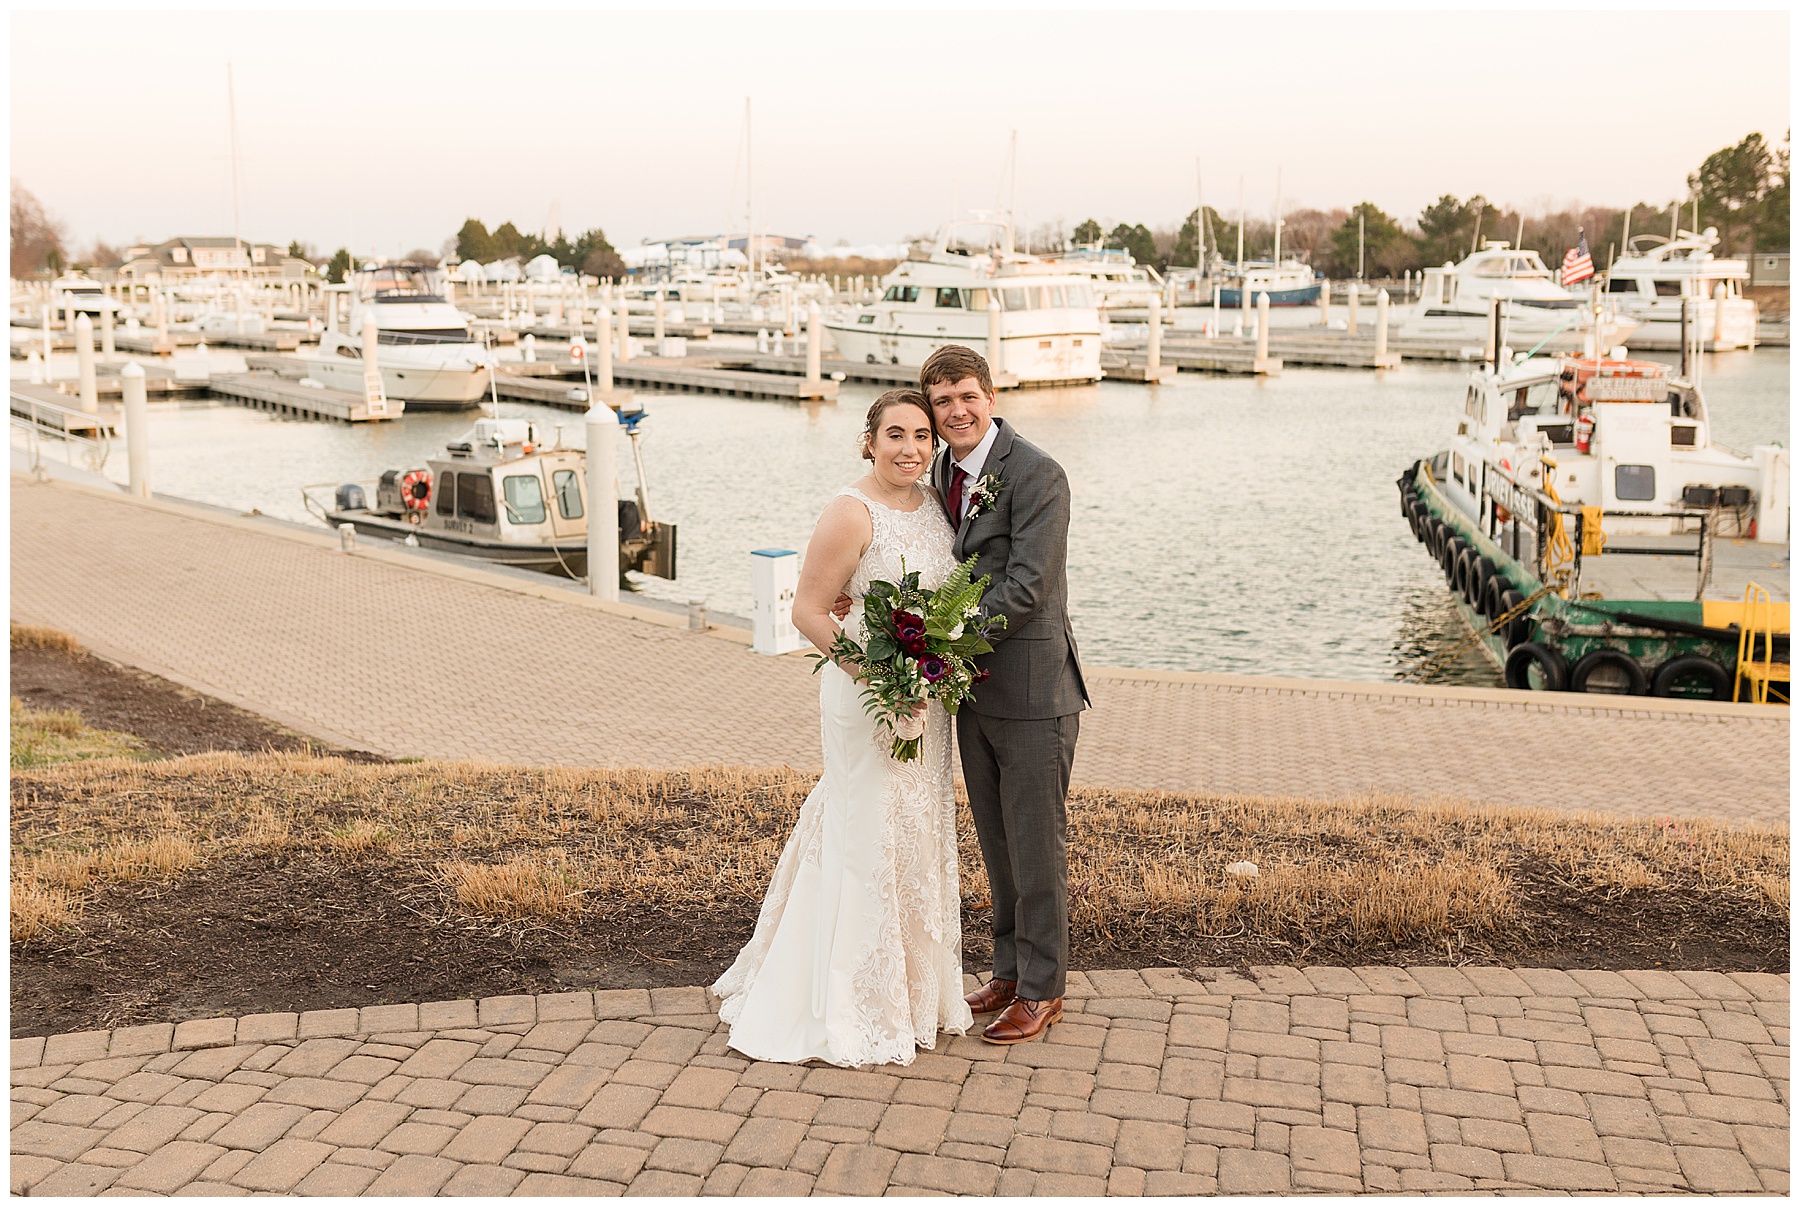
[(517, 842), (37, 637), (522, 887)]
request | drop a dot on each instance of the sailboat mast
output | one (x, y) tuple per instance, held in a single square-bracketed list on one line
[(1277, 216), (1199, 219), (237, 217), (1240, 255), (749, 197)]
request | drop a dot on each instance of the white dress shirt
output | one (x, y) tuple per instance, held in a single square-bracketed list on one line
[(972, 464)]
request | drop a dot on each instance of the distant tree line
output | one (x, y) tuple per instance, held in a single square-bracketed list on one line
[(589, 252), (1742, 190)]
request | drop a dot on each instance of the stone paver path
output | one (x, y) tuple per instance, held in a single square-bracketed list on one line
[(1320, 1079), (410, 662)]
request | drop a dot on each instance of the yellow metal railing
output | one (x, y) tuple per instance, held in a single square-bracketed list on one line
[(1756, 663)]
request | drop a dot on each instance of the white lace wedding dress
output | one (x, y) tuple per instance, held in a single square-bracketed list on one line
[(857, 954)]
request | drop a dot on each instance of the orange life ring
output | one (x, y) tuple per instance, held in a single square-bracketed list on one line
[(415, 489)]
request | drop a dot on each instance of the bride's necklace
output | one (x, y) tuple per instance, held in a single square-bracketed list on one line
[(906, 496)]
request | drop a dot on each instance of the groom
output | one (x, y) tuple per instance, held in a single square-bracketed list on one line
[(1009, 504)]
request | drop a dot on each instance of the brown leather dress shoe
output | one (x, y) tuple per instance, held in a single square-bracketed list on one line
[(1023, 1020), (995, 995)]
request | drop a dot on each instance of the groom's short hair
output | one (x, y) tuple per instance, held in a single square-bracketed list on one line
[(950, 364)]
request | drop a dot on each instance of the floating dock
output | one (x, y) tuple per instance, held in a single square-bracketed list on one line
[(268, 391), (51, 410)]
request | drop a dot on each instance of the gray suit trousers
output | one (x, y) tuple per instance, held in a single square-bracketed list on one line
[(1017, 773)]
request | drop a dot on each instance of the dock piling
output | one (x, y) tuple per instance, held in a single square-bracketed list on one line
[(603, 505), (529, 344), (1153, 354), (1381, 327), (624, 331), (1262, 330), (84, 356), (996, 345), (603, 350), (1325, 303), (137, 432), (106, 332), (1350, 292), (49, 341), (661, 324), (815, 340)]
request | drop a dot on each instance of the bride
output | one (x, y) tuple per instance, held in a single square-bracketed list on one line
[(857, 954)]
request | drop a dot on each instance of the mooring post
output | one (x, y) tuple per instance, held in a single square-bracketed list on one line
[(603, 502), (1350, 292), (1325, 302), (137, 431), (84, 356), (106, 332), (1381, 330), (661, 326), (49, 342), (624, 330), (1262, 326), (996, 343), (603, 349), (1153, 353), (815, 341)]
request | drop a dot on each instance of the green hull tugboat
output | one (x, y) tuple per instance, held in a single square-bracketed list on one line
[(1598, 540)]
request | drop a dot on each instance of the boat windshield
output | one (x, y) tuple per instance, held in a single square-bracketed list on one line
[(1527, 265), (395, 281)]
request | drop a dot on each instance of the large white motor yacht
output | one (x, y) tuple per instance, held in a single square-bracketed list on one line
[(1656, 277), (1454, 300), (425, 351), (1034, 320), (1118, 281)]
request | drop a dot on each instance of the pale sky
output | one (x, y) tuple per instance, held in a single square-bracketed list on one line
[(384, 131)]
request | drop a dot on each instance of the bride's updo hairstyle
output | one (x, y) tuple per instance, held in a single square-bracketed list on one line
[(893, 398)]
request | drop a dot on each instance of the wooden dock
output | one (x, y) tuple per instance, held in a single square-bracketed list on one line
[(51, 411), (268, 391), (709, 377), (542, 388)]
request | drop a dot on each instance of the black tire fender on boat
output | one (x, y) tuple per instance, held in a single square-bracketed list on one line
[(1417, 516), (1490, 598), (1692, 666), (1482, 571), (1636, 682), (1459, 573), (1518, 629), (1453, 548), (1550, 665)]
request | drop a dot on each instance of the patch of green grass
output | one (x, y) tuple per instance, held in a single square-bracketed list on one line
[(40, 739)]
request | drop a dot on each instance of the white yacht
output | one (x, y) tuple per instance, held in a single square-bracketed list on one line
[(1118, 281), (1454, 299), (78, 295), (1656, 277), (1034, 320), (425, 352)]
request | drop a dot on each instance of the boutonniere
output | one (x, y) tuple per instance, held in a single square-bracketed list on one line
[(982, 495)]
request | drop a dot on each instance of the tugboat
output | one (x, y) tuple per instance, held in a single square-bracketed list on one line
[(1598, 540), (500, 495)]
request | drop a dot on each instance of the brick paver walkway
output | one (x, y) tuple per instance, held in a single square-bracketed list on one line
[(407, 661), (1321, 1079)]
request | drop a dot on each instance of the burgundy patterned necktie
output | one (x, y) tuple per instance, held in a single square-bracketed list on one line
[(958, 479)]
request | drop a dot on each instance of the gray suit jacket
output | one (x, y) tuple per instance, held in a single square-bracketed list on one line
[(1022, 544)]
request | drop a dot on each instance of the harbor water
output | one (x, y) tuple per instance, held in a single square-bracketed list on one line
[(1232, 524)]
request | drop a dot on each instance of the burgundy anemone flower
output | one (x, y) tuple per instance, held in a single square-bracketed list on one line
[(981, 674), (913, 643), (933, 669)]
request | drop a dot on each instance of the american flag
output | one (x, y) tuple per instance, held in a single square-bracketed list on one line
[(1577, 265)]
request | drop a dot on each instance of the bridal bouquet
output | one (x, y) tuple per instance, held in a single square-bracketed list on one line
[(919, 646)]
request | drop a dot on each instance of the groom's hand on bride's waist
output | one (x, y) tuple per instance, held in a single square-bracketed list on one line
[(841, 608)]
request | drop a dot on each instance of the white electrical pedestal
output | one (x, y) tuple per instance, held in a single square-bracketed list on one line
[(774, 574)]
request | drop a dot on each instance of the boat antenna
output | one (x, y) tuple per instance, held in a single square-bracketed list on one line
[(1012, 177), (1625, 239), (237, 222), (749, 198), (1480, 212), (1519, 242)]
